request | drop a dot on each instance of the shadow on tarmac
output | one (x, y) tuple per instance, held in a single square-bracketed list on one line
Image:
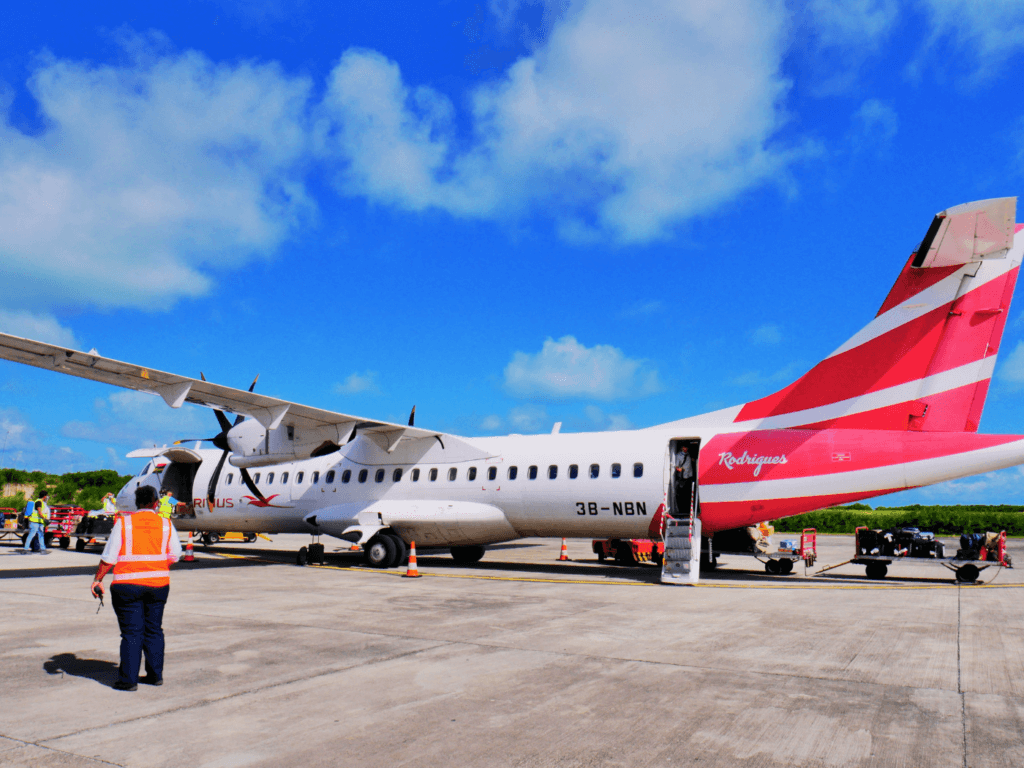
[(103, 672)]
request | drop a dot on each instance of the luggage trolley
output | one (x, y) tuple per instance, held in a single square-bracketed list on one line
[(966, 570), (775, 563)]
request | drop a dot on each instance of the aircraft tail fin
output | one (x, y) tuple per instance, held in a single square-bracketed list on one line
[(925, 361)]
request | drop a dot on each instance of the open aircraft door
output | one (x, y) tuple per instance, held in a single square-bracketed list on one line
[(180, 476), (681, 563)]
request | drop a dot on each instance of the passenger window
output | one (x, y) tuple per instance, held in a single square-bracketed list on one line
[(416, 475), (256, 479), (314, 478), (532, 472), (638, 470), (284, 478), (433, 474), (471, 475), (379, 476), (298, 478), (362, 475), (230, 478), (346, 475), (329, 477), (270, 478), (552, 472), (574, 471), (512, 472), (492, 473), (397, 474), (595, 470), (453, 473), (616, 470)]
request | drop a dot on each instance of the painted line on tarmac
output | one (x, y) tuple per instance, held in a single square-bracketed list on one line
[(618, 583)]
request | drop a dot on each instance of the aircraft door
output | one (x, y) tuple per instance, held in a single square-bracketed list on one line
[(683, 492)]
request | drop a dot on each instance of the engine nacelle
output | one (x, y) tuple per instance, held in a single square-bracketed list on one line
[(252, 445), (434, 523)]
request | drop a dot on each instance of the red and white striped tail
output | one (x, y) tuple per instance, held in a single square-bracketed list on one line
[(925, 361)]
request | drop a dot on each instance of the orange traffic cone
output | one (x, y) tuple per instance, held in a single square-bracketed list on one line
[(188, 557), (565, 552), (411, 569)]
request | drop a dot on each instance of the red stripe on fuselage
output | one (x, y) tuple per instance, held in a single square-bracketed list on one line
[(905, 353), (778, 454)]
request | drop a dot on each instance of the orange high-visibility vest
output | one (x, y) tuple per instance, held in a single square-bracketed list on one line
[(145, 544)]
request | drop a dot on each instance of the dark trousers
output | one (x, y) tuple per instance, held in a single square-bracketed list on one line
[(140, 613)]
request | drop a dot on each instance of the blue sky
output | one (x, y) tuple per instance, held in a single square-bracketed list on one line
[(507, 213)]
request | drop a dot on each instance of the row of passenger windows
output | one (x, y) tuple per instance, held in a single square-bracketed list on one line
[(453, 474)]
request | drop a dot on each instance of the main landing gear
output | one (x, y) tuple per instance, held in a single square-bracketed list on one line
[(385, 550), (467, 555)]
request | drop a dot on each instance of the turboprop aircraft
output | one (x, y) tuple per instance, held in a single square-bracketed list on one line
[(897, 406)]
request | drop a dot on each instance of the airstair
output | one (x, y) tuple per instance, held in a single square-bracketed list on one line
[(681, 564)]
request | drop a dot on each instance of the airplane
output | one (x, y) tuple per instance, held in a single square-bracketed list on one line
[(897, 406)]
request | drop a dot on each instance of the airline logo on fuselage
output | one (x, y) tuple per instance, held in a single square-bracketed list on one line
[(729, 461)]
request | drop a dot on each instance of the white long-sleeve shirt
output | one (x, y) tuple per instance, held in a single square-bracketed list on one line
[(113, 548)]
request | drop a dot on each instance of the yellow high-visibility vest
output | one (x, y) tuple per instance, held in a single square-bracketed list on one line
[(165, 508), (44, 512)]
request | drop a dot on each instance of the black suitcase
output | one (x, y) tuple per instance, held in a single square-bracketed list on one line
[(868, 542)]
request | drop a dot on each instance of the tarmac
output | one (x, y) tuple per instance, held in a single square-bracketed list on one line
[(521, 660)]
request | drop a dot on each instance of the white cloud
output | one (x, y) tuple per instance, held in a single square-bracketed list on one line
[(138, 419), (852, 23), (24, 447), (1011, 368), (610, 422), (984, 34), (767, 334), (621, 124), (529, 418), (356, 383), (874, 125), (43, 327), (147, 172), (491, 423), (566, 368)]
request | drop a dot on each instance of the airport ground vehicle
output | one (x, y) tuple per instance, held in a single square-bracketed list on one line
[(629, 551), (966, 570), (211, 538), (63, 520)]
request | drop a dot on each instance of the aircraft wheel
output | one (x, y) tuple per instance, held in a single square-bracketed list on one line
[(467, 555), (65, 542), (772, 567), (785, 567), (876, 570), (380, 551), (302, 557), (80, 545), (967, 573), (401, 550)]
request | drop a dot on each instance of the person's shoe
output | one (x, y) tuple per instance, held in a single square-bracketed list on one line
[(121, 685), (150, 680)]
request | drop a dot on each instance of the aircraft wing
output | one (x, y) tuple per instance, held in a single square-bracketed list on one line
[(175, 390)]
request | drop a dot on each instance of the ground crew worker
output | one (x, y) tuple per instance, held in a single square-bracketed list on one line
[(37, 521), (141, 547), (167, 505), (109, 507)]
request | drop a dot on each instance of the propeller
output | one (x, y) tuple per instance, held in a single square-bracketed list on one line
[(412, 416), (221, 441)]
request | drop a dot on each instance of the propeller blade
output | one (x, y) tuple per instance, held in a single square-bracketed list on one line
[(202, 376), (196, 440), (412, 416), (225, 425), (253, 385), (212, 488), (251, 485)]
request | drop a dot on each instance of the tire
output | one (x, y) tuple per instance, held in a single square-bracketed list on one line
[(210, 539), (48, 540), (772, 567), (968, 574), (65, 542), (600, 556), (624, 554), (302, 556), (785, 567), (876, 570), (250, 538), (380, 551), (80, 545), (467, 555), (401, 550)]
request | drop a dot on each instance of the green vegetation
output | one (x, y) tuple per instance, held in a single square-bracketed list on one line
[(83, 489), (942, 521)]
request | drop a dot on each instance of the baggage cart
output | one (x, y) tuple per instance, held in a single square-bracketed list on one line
[(779, 563), (877, 566)]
